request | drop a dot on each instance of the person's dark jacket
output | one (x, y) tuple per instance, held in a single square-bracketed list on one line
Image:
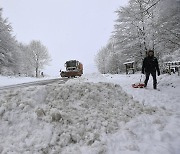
[(150, 64)]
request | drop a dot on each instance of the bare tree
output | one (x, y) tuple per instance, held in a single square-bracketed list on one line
[(38, 56)]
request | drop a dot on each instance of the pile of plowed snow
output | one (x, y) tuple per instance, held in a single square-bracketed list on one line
[(53, 118)]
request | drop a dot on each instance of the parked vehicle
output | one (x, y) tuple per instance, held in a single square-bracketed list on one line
[(73, 68)]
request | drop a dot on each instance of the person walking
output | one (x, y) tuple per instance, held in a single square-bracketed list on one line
[(150, 66)]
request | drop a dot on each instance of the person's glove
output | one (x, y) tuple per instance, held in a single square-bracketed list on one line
[(158, 73)]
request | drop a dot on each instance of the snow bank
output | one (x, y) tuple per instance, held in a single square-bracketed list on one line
[(62, 118), (91, 115), (155, 134)]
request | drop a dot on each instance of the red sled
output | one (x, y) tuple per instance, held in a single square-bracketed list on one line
[(138, 85)]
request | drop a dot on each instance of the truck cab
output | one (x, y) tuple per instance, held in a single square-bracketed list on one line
[(73, 68)]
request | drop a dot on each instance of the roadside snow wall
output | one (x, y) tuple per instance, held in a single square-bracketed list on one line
[(63, 118)]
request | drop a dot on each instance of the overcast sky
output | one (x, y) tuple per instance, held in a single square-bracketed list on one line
[(70, 29)]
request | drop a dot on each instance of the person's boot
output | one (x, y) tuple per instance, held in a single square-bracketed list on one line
[(145, 84), (155, 86)]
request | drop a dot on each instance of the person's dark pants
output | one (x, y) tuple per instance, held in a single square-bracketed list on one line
[(154, 79)]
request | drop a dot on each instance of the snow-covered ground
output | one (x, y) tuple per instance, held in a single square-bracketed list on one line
[(94, 114)]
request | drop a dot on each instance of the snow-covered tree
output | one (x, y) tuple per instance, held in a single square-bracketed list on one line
[(134, 26), (25, 61), (101, 60), (168, 23), (107, 60), (144, 25), (38, 56), (8, 48), (18, 58)]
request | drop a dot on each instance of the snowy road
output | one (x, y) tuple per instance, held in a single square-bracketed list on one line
[(35, 83)]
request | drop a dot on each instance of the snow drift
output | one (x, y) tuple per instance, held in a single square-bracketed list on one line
[(48, 119)]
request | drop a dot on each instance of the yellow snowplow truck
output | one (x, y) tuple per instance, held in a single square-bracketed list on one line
[(73, 68)]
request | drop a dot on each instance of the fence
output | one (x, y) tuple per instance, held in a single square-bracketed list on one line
[(172, 67)]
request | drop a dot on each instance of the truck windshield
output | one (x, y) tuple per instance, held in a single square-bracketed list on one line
[(71, 63)]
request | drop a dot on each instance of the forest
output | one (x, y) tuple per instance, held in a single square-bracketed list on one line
[(17, 58), (140, 26)]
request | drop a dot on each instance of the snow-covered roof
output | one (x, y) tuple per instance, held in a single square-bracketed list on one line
[(130, 62), (172, 62)]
